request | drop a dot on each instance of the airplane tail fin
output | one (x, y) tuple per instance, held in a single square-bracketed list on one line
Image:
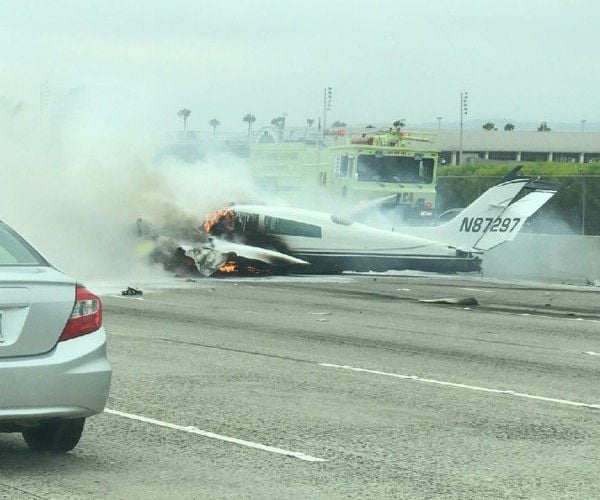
[(493, 218), (517, 213)]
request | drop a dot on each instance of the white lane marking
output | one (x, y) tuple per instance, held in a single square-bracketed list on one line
[(592, 353), (474, 289), (193, 430), (545, 316), (465, 386)]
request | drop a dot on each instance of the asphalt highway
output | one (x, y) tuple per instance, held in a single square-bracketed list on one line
[(338, 387)]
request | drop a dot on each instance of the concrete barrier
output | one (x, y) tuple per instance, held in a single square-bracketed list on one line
[(552, 258)]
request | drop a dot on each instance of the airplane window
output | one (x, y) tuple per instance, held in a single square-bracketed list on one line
[(341, 221), (247, 223), (275, 225)]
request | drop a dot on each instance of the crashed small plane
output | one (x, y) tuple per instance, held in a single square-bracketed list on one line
[(260, 239)]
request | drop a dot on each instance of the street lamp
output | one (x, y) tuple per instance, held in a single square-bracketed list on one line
[(583, 125), (439, 119), (464, 97)]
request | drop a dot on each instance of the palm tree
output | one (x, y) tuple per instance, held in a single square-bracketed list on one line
[(544, 127), (489, 126), (184, 113), (509, 127), (278, 122), (309, 122), (338, 124), (214, 123), (250, 119), (370, 126), (399, 124)]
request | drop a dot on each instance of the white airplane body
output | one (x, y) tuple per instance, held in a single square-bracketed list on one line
[(284, 239)]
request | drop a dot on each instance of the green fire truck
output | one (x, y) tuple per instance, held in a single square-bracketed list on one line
[(358, 167)]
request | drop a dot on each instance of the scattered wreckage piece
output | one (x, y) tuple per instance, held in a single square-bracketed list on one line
[(458, 301), (130, 291)]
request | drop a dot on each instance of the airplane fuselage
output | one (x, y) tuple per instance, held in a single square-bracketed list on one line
[(332, 245)]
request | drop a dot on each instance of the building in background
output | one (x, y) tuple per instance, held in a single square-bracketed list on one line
[(483, 146)]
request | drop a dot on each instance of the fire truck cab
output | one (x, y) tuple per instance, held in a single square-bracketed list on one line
[(355, 166)]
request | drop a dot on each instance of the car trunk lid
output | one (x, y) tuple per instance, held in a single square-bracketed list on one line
[(35, 305)]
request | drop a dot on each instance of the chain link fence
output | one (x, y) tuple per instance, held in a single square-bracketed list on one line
[(575, 209)]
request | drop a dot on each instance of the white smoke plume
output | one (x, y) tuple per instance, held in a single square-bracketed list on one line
[(75, 185)]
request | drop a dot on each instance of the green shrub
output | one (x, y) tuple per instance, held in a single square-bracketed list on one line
[(529, 168)]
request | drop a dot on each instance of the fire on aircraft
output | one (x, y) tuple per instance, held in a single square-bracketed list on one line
[(260, 239)]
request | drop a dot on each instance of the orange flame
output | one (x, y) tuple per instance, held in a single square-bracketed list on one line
[(233, 266), (229, 267), (224, 214)]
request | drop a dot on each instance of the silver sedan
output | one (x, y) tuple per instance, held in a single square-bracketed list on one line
[(53, 366)]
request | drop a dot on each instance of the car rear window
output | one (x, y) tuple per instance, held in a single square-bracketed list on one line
[(15, 251)]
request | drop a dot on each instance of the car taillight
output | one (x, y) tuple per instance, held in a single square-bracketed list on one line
[(86, 316)]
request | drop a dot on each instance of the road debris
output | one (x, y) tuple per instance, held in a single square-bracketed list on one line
[(458, 301), (130, 291)]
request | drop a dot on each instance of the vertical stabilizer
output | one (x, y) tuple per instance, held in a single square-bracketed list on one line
[(513, 219), (490, 220)]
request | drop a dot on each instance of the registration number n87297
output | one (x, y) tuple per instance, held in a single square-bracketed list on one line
[(491, 224)]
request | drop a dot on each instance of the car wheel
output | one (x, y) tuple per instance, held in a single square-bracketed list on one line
[(55, 436)]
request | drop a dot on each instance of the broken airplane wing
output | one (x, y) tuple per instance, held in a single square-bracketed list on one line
[(221, 255)]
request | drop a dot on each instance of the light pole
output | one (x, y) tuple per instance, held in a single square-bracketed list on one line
[(583, 125), (439, 119), (327, 97), (464, 96)]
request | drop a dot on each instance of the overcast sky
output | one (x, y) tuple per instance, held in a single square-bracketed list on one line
[(527, 60)]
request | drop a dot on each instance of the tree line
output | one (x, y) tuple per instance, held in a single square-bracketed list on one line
[(490, 126)]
